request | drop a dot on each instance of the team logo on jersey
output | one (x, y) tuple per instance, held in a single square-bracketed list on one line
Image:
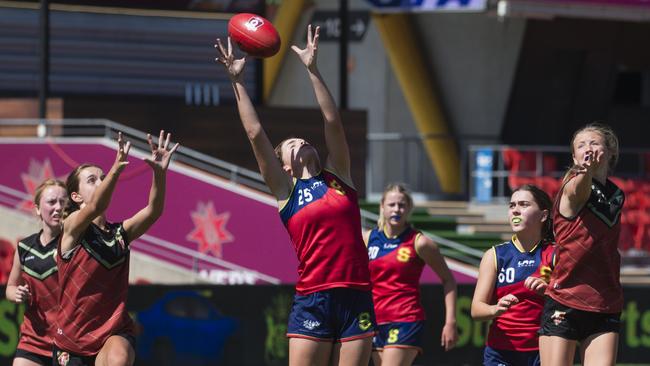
[(526, 263), (62, 358), (210, 231), (390, 246), (310, 324)]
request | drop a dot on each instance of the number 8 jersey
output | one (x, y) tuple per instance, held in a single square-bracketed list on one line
[(395, 269), (516, 329), (324, 222)]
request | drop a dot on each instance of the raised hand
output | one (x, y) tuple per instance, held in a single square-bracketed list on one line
[(160, 156), (592, 162), (227, 58), (123, 148), (22, 294), (308, 54)]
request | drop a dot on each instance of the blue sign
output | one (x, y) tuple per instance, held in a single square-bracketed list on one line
[(428, 5), (483, 176)]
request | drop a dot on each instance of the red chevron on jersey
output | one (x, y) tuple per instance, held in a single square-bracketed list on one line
[(94, 281), (395, 270), (516, 329), (39, 272), (324, 222)]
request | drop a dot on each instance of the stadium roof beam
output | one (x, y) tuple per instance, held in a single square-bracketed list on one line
[(398, 37), (286, 21)]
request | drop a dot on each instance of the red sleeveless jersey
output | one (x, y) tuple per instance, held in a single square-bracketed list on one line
[(39, 271), (516, 329), (94, 282), (324, 222), (395, 270), (587, 276)]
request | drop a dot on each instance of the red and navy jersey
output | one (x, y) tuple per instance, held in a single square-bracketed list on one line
[(516, 329), (395, 270), (39, 271), (324, 222), (587, 276), (94, 280)]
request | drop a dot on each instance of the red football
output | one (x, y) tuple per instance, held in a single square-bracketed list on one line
[(254, 35)]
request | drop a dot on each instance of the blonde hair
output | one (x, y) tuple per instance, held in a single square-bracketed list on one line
[(41, 187), (611, 144), (398, 187)]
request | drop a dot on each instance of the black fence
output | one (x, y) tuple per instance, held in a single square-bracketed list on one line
[(246, 325)]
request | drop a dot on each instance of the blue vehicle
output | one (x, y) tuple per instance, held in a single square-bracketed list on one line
[(182, 328)]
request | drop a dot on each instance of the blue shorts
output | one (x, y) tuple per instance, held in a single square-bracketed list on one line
[(399, 335), (499, 357), (334, 315)]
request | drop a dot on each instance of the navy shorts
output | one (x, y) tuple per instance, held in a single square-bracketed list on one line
[(499, 357), (34, 357), (399, 335), (335, 315), (573, 324)]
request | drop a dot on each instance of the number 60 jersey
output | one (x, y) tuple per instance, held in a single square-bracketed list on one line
[(516, 329)]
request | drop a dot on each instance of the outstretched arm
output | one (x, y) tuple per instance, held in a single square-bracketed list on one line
[(77, 222), (428, 251), (338, 158), (270, 167), (159, 162), (576, 192)]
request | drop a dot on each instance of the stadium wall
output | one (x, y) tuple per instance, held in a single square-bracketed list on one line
[(246, 325)]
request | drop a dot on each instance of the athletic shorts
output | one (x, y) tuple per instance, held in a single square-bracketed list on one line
[(65, 358), (334, 315), (399, 335), (499, 357), (569, 323), (34, 357)]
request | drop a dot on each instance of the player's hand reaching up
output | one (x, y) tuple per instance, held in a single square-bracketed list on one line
[(308, 54), (227, 59), (123, 148), (160, 155), (592, 162)]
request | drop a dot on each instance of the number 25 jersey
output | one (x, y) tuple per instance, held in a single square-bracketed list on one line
[(324, 222)]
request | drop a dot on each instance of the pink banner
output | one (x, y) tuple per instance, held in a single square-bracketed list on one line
[(228, 233)]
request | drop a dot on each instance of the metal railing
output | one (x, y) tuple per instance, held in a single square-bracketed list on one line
[(488, 166), (89, 128)]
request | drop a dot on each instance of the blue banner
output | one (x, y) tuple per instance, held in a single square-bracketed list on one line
[(483, 176), (428, 5)]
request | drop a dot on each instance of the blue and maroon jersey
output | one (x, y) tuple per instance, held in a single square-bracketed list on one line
[(94, 280), (324, 222), (516, 329), (589, 266), (39, 271), (395, 270)]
